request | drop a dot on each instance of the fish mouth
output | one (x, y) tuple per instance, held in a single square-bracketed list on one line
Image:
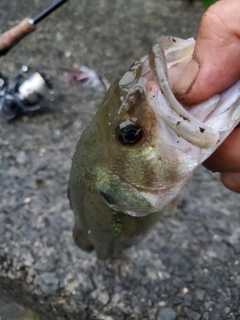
[(174, 114), (206, 129)]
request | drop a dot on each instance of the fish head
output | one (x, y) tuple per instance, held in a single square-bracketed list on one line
[(144, 163)]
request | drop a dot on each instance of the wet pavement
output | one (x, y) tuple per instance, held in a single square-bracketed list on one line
[(189, 265)]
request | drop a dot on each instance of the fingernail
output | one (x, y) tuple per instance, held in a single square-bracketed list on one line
[(186, 78)]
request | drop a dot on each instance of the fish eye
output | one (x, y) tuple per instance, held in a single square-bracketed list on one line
[(129, 135)]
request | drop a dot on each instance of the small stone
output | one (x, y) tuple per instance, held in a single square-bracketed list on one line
[(205, 316), (185, 290), (57, 136), (68, 54), (166, 314), (103, 297), (41, 152), (116, 298), (28, 260), (21, 158), (200, 294), (227, 310), (27, 200), (188, 300), (48, 282), (195, 315)]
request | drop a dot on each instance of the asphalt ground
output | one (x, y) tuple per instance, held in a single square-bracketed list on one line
[(189, 265)]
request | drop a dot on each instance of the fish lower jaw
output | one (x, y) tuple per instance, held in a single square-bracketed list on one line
[(137, 214), (157, 199)]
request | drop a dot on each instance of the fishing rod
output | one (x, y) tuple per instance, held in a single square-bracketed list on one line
[(10, 38), (24, 94)]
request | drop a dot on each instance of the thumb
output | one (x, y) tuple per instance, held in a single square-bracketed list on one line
[(215, 64)]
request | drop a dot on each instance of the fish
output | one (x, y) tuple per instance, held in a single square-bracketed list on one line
[(140, 149)]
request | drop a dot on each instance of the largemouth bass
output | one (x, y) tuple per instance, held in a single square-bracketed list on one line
[(141, 148)]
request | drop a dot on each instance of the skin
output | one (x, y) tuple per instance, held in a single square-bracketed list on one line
[(213, 69)]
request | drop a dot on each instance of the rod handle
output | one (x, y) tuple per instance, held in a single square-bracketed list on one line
[(10, 38)]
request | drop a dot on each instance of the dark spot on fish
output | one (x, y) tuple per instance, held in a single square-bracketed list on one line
[(109, 199), (201, 129), (177, 141), (174, 40), (92, 190), (184, 118), (178, 123)]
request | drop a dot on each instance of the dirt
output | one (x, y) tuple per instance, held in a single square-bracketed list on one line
[(189, 265)]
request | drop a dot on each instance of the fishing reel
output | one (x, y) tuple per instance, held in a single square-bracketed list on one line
[(23, 94)]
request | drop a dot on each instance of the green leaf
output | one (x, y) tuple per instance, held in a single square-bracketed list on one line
[(207, 3)]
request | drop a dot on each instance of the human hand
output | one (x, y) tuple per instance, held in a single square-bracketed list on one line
[(215, 67)]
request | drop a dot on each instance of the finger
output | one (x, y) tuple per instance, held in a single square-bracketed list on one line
[(227, 157), (215, 65), (231, 180)]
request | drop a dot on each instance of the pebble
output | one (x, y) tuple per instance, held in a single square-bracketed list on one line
[(227, 310), (103, 297), (166, 314), (205, 316), (48, 282), (21, 157), (195, 315), (200, 294), (27, 259), (185, 290)]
